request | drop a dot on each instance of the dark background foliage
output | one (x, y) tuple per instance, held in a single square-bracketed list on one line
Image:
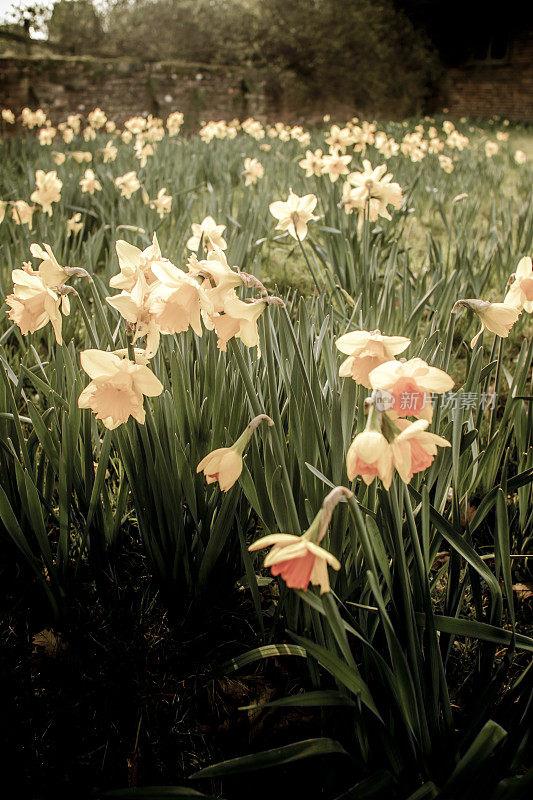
[(378, 54), (363, 49)]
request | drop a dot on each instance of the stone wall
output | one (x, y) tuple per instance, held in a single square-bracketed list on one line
[(487, 89), (123, 88), (126, 87)]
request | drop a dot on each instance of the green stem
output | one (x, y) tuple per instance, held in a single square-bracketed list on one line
[(131, 349), (101, 313), (87, 321), (310, 268), (496, 386)]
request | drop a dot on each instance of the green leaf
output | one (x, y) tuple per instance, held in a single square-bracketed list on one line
[(279, 756), (475, 758), (503, 550), (469, 554), (320, 697), (344, 673), (479, 630), (13, 528), (258, 653), (157, 793), (370, 787)]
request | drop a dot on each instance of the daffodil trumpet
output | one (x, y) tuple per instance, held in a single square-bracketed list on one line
[(300, 560)]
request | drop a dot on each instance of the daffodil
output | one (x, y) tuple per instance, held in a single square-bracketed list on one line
[(81, 156), (74, 224), (239, 320), (366, 351), (294, 214), (177, 300), (48, 190), (370, 456), (374, 190), (109, 152), (32, 119), (297, 560), (174, 123), (33, 304), (142, 152), (221, 278), (135, 125), (89, 183), (520, 293), (46, 136), (498, 318), (162, 203), (50, 271), (22, 213), (96, 118), (117, 387), (300, 560), (414, 448), (74, 122), (312, 163), (340, 138), (128, 184), (207, 233), (134, 262), (446, 163), (134, 306), (335, 165), (224, 465), (253, 171), (409, 385)]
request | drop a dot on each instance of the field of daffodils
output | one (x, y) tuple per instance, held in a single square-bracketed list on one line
[(266, 458)]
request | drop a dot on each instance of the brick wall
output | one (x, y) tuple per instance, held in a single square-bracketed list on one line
[(486, 90), (123, 88)]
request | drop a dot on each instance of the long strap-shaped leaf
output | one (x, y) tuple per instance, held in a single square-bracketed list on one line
[(479, 630), (344, 673), (309, 748), (468, 553), (258, 653), (474, 759)]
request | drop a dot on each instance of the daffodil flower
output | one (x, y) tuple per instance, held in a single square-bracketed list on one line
[(224, 465), (366, 351), (498, 318), (117, 387)]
